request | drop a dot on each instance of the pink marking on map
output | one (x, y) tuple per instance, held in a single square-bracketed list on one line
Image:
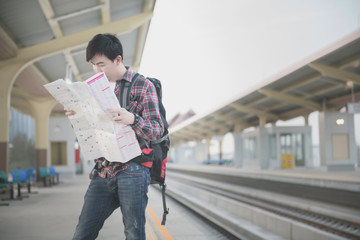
[(94, 79), (106, 88), (123, 146)]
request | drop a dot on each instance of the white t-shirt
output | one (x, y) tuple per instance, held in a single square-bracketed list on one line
[(112, 85)]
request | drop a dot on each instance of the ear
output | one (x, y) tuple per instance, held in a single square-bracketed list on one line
[(118, 59)]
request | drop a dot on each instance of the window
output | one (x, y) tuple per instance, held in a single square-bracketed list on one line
[(250, 148), (58, 153)]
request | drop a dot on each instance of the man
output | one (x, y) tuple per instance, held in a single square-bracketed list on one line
[(116, 184)]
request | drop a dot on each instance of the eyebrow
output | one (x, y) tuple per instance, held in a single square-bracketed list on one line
[(101, 62)]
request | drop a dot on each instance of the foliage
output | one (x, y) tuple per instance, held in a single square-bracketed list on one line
[(22, 152)]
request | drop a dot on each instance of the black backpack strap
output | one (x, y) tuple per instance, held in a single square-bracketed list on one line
[(160, 139), (166, 210), (125, 92)]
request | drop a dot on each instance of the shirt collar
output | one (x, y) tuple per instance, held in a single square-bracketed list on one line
[(128, 74)]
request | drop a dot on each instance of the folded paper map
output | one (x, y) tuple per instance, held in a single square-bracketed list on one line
[(97, 134)]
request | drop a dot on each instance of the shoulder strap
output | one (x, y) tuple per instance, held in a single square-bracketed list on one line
[(125, 92)]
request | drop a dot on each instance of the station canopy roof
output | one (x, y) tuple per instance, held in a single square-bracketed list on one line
[(325, 81), (49, 37)]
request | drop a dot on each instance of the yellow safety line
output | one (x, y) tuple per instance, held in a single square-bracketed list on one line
[(164, 232)]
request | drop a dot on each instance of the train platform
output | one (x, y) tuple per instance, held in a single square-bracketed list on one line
[(52, 214), (319, 176)]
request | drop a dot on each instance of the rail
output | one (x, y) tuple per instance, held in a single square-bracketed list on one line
[(208, 188)]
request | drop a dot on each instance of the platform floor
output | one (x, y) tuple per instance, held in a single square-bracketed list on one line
[(349, 180), (52, 215)]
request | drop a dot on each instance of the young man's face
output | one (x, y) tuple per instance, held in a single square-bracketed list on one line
[(101, 63)]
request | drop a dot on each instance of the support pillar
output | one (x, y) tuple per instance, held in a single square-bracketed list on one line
[(263, 147), (8, 75), (208, 140), (220, 150), (41, 112), (306, 119), (238, 150), (200, 150), (262, 121)]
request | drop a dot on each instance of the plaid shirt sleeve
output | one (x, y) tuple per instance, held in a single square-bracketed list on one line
[(144, 103)]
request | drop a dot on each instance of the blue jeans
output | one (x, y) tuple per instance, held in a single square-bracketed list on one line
[(128, 189)]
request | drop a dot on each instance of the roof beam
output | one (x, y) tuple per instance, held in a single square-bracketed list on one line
[(214, 127), (54, 46), (336, 73), (190, 133), (291, 99), (22, 106), (222, 118), (4, 34), (50, 14), (19, 93), (142, 33), (258, 112), (105, 11), (79, 12), (197, 129), (180, 136)]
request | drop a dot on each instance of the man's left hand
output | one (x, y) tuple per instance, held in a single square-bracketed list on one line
[(124, 116)]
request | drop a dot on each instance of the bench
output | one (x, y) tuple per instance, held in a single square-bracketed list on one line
[(45, 176), (19, 181), (54, 174), (6, 185), (25, 178)]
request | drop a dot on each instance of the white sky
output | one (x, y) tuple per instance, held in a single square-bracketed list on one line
[(206, 52)]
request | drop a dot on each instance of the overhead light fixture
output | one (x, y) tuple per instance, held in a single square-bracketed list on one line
[(340, 121)]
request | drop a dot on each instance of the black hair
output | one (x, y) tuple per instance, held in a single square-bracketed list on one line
[(104, 44)]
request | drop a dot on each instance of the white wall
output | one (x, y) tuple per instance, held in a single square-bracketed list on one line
[(60, 129)]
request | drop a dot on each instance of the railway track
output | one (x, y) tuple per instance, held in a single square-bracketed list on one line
[(340, 227)]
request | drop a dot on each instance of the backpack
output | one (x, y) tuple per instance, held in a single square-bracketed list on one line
[(160, 147)]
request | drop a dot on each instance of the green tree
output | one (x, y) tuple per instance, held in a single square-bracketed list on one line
[(22, 152)]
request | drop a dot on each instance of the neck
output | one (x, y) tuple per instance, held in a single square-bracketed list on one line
[(120, 73), (122, 70)]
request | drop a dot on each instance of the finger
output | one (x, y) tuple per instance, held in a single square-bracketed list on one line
[(117, 119), (69, 113)]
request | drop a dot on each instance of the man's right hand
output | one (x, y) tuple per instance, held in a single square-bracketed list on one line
[(69, 113)]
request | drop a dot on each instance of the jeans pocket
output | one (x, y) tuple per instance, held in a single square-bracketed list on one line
[(134, 169)]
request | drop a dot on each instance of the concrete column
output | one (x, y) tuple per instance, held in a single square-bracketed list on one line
[(306, 118), (41, 112), (238, 150), (201, 152), (263, 148), (220, 149), (219, 139), (262, 121), (308, 145), (8, 76), (208, 148)]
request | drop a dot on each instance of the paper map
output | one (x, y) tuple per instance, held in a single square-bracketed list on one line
[(97, 134)]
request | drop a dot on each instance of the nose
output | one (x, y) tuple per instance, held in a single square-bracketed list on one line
[(96, 68)]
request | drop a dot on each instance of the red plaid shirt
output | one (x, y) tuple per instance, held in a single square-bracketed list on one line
[(149, 126)]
